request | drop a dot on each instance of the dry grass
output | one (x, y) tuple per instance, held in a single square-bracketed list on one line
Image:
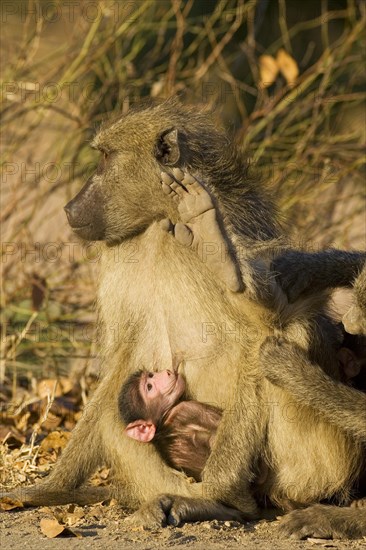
[(60, 79)]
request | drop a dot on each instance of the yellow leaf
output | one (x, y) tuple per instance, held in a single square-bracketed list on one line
[(268, 70), (51, 528), (288, 67), (7, 503), (55, 440)]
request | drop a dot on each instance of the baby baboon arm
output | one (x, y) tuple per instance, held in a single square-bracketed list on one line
[(175, 510), (325, 522), (301, 273), (286, 365), (200, 229)]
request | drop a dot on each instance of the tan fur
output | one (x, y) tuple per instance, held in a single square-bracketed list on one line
[(164, 301)]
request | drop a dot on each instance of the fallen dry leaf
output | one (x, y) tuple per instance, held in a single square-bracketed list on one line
[(55, 440), (288, 67), (268, 70), (52, 528), (49, 387), (7, 503)]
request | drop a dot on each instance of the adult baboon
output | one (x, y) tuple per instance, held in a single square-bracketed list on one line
[(158, 298)]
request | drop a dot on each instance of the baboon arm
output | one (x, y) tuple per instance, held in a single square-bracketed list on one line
[(286, 365), (326, 522), (229, 469), (301, 273)]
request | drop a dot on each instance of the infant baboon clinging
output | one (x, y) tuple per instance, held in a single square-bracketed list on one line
[(154, 408), (157, 298)]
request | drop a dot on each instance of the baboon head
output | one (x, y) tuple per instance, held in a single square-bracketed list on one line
[(124, 195)]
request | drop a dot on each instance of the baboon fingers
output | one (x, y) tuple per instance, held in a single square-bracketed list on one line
[(166, 178), (183, 234), (167, 190), (166, 225), (178, 174), (152, 514), (185, 509)]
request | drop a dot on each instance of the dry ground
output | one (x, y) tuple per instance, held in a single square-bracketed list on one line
[(103, 527)]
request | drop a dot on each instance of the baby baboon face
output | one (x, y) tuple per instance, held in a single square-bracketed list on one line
[(124, 195)]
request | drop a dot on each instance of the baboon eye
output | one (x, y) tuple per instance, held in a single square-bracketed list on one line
[(149, 387), (151, 374)]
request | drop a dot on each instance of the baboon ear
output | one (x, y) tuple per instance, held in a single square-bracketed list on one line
[(167, 147), (141, 430)]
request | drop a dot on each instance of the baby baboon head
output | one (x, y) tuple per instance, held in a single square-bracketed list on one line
[(124, 195)]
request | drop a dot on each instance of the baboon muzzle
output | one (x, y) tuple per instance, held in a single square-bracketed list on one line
[(85, 212)]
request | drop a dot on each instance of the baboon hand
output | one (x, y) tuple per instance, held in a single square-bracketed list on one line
[(175, 510), (277, 357), (152, 514), (324, 522)]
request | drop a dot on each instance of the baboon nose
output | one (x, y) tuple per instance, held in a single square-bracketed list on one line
[(73, 214), (68, 210)]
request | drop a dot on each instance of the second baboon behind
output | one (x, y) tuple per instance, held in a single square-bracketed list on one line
[(157, 298)]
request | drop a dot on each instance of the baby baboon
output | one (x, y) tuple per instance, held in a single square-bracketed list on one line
[(157, 297), (154, 408)]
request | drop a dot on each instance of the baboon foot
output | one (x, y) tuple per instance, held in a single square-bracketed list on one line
[(199, 228), (176, 510), (324, 522)]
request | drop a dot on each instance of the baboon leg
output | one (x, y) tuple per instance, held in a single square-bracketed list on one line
[(302, 273), (325, 522), (200, 228), (175, 510), (287, 365)]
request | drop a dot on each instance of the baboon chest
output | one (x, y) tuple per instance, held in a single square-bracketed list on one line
[(167, 302)]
